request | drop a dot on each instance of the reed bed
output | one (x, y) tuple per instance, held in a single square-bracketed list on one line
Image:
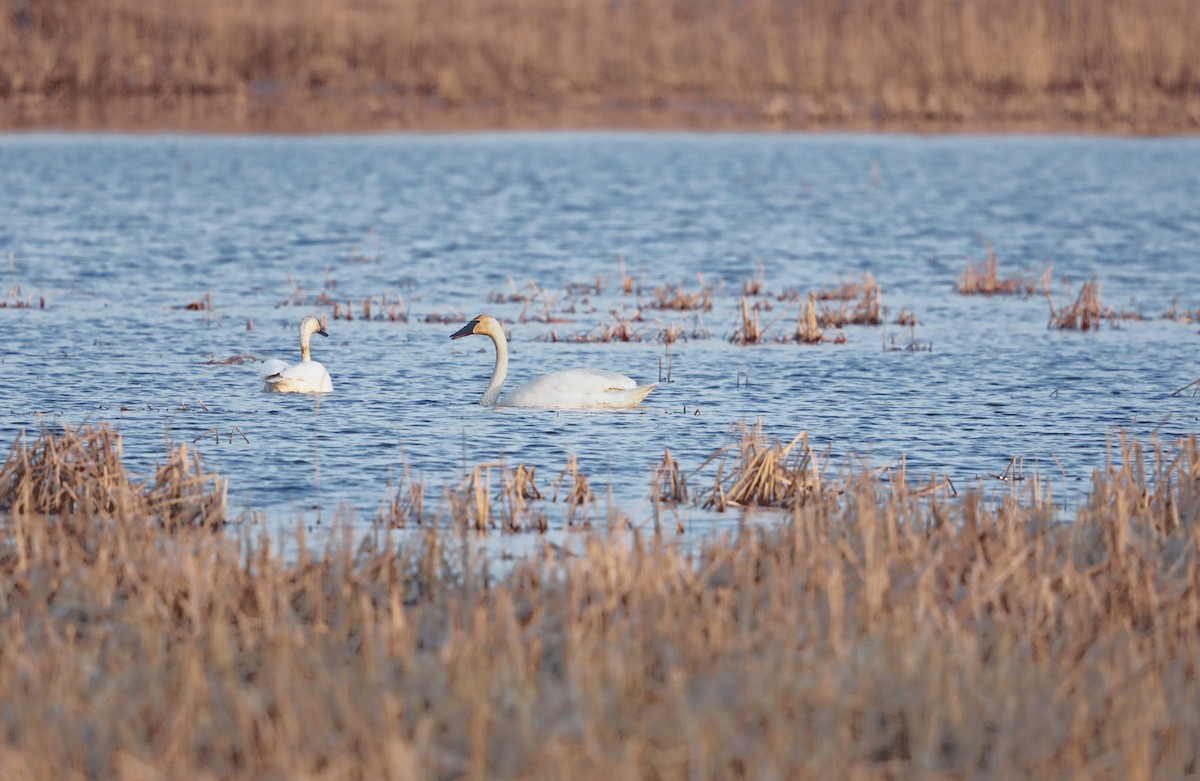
[(1105, 63), (71, 473), (873, 634)]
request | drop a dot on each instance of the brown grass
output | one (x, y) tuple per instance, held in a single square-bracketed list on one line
[(750, 330), (1102, 63), (382, 309), (79, 473), (669, 481), (808, 329), (473, 505), (766, 473), (983, 279), (1085, 314), (667, 297), (871, 635)]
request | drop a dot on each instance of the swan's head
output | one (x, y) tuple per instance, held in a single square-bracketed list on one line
[(311, 325), (483, 324)]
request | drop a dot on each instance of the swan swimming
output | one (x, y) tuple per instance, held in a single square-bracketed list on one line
[(308, 376), (567, 389)]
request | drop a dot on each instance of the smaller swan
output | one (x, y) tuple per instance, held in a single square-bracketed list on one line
[(567, 389), (308, 376)]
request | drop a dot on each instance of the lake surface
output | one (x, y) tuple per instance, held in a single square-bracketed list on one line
[(119, 233)]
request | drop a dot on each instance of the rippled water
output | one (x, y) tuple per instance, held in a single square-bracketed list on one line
[(118, 234)]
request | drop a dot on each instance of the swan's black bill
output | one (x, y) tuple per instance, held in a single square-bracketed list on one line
[(322, 332), (466, 330)]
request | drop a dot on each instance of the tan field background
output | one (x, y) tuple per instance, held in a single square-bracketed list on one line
[(325, 65)]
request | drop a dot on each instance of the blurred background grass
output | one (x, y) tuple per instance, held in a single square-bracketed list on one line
[(1124, 65)]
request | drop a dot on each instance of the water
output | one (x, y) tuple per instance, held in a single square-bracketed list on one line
[(119, 233)]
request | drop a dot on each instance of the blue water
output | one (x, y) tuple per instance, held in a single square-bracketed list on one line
[(118, 233)]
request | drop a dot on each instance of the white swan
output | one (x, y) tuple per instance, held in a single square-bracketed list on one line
[(308, 376), (568, 389)]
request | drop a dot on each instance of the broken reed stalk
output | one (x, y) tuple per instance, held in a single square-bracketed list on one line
[(849, 640), (670, 483), (766, 473), (580, 494), (406, 504)]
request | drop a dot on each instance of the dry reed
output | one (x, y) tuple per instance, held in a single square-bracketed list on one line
[(766, 473), (71, 473), (750, 330), (808, 329), (580, 495), (669, 481), (875, 634), (1122, 63), (473, 505), (1084, 314), (666, 297), (983, 279)]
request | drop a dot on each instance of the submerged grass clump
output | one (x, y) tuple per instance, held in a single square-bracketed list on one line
[(873, 633)]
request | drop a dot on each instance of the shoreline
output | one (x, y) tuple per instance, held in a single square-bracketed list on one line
[(365, 112)]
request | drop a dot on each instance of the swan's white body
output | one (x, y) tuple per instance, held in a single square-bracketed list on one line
[(567, 389), (308, 376)]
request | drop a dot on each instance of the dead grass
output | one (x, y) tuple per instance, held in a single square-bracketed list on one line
[(867, 310), (579, 496), (873, 634), (772, 62), (750, 330), (766, 472), (669, 481), (667, 297), (1085, 314), (72, 473), (808, 329), (983, 279), (382, 309), (16, 299)]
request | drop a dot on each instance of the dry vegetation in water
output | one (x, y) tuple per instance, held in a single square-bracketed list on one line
[(873, 634), (1085, 314), (983, 279), (340, 64)]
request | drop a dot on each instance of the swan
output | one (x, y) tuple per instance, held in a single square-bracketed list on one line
[(308, 376), (567, 389)]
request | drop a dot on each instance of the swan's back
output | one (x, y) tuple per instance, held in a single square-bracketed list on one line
[(304, 377), (578, 388)]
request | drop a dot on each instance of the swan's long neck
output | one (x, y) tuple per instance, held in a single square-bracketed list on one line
[(305, 353), (499, 371)]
